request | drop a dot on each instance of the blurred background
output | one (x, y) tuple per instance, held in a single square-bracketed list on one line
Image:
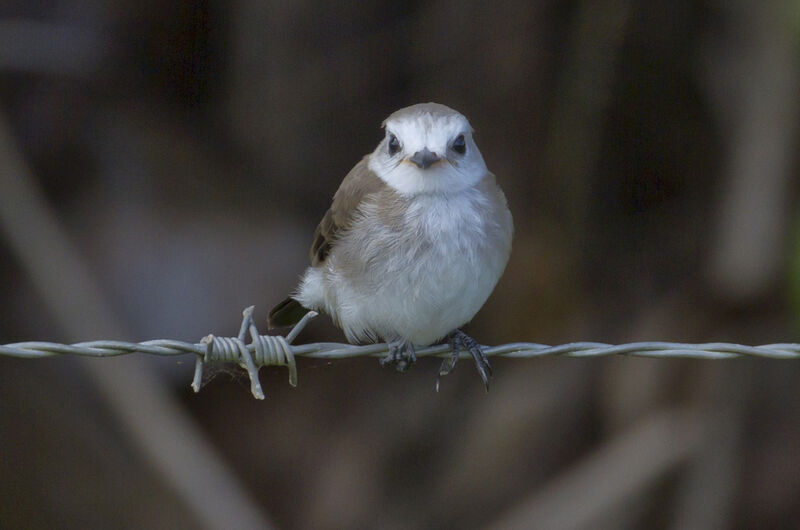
[(163, 165)]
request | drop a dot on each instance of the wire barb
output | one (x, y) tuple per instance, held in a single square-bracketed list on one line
[(276, 350), (267, 350)]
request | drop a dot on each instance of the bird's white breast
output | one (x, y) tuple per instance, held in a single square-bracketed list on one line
[(420, 275)]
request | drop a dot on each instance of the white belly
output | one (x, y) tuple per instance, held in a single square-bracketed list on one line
[(418, 281)]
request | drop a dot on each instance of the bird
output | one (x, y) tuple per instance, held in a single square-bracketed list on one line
[(415, 240)]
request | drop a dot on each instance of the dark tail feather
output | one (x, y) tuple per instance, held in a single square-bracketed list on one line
[(287, 313)]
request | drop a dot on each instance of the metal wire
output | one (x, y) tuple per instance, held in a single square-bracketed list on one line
[(276, 350)]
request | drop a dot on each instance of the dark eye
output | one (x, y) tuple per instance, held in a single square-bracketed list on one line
[(459, 145), (394, 144)]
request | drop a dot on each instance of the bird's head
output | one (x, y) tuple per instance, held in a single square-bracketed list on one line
[(428, 148)]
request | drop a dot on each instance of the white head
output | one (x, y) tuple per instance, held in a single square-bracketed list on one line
[(428, 148)]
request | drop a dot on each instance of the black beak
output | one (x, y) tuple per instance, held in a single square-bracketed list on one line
[(424, 159)]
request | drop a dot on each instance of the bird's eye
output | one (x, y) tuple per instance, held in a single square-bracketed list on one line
[(459, 145), (394, 144)]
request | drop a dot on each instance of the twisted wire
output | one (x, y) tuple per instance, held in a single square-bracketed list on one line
[(276, 350)]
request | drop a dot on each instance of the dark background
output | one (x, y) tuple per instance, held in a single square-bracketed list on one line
[(163, 165)]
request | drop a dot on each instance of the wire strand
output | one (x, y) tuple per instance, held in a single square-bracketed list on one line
[(276, 350)]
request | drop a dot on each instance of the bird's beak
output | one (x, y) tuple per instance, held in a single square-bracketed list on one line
[(424, 159)]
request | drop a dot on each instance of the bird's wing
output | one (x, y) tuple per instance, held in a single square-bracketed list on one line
[(360, 182)]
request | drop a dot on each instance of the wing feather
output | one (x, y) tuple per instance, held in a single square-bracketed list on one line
[(358, 184)]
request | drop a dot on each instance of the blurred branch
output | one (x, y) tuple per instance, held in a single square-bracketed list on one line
[(581, 101), (155, 422), (617, 471), (755, 80), (706, 492)]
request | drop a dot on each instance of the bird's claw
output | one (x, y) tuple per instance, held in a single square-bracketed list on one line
[(401, 355), (459, 341)]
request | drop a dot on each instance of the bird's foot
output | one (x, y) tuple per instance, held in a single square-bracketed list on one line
[(460, 341), (401, 355)]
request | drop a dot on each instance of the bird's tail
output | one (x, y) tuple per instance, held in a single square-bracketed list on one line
[(287, 313)]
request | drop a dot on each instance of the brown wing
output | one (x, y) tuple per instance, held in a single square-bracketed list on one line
[(359, 183)]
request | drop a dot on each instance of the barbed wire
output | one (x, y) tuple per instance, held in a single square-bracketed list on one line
[(277, 350)]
